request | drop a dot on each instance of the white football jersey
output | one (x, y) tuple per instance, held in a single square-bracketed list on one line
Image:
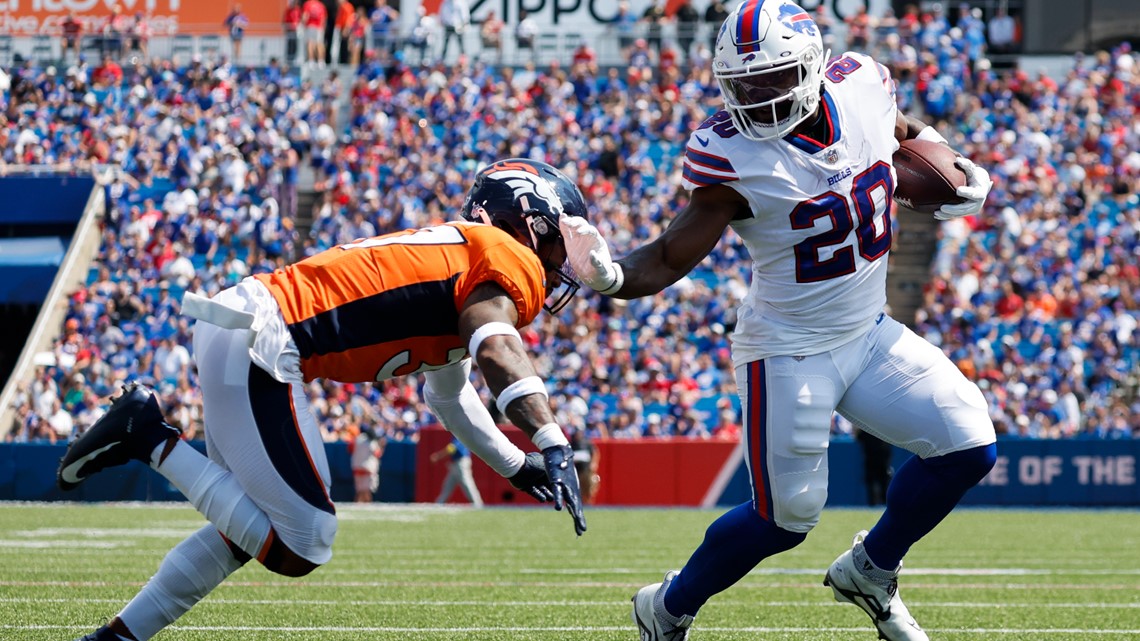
[(820, 229)]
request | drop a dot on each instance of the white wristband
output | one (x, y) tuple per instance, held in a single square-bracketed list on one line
[(549, 435), (495, 328), (931, 134), (522, 387), (619, 280)]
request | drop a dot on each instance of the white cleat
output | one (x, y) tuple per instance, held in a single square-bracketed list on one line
[(649, 625), (879, 598)]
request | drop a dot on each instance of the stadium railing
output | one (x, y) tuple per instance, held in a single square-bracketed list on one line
[(72, 274)]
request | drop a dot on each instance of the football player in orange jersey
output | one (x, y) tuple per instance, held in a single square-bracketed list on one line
[(426, 300)]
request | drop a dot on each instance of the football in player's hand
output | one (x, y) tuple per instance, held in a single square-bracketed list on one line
[(927, 175)]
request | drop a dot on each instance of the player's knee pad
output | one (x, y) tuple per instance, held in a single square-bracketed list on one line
[(800, 511)]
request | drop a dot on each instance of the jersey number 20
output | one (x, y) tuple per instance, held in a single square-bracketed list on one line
[(859, 211)]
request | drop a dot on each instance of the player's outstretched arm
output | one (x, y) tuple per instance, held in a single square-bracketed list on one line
[(487, 323), (450, 395), (663, 261)]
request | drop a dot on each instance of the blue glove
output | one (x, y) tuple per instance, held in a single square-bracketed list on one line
[(559, 461), (532, 479)]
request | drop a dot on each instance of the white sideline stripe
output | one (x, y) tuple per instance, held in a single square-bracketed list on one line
[(600, 628), (727, 471), (325, 585), (820, 571), (599, 603), (24, 545)]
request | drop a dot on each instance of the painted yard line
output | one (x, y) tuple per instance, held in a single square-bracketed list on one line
[(905, 571), (79, 546), (599, 603), (325, 585), (606, 628)]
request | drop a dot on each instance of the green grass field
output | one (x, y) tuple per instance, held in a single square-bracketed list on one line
[(499, 574)]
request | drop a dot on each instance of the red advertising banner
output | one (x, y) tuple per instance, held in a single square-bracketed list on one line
[(166, 17)]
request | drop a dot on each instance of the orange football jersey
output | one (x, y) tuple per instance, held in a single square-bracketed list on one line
[(389, 305)]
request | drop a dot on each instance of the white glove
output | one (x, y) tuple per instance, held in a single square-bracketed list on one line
[(977, 187), (589, 255)]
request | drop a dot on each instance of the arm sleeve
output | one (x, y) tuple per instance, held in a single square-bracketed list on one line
[(450, 395)]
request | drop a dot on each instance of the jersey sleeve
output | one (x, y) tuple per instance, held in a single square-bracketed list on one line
[(706, 162), (874, 80), (498, 258)]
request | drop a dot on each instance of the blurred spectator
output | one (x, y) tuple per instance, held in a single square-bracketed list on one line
[(491, 36), (587, 462), (342, 26), (688, 20), (526, 32), (727, 427), (384, 21), (72, 35), (715, 15), (291, 23), (423, 32), (455, 15), (140, 33), (652, 18), (314, 17), (625, 23), (823, 22), (236, 23), (1003, 31), (364, 453), (859, 28), (109, 74), (356, 33), (115, 30)]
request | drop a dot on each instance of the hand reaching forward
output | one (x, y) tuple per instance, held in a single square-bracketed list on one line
[(589, 255)]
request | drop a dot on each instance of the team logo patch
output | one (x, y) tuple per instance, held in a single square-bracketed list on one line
[(797, 19), (526, 183)]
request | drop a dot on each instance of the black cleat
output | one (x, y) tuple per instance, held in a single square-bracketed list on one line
[(131, 429)]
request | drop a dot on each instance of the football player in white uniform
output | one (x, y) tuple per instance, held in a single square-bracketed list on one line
[(799, 165)]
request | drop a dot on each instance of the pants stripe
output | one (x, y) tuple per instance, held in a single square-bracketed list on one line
[(757, 436), (282, 438)]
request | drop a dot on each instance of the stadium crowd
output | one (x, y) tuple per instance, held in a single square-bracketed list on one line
[(1036, 299)]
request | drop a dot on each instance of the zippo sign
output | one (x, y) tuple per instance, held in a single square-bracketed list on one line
[(167, 17), (561, 13)]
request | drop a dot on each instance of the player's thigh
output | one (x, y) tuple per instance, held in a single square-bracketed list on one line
[(910, 394), (787, 406), (269, 439)]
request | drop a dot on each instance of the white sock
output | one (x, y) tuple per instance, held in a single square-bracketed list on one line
[(215, 493), (187, 574)]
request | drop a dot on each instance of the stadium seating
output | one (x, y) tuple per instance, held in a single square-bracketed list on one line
[(224, 199)]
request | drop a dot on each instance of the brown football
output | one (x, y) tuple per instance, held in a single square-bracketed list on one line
[(927, 175)]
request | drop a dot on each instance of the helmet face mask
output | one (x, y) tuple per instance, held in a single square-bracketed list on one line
[(769, 64), (526, 198)]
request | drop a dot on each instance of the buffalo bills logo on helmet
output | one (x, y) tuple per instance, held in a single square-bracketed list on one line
[(749, 58), (796, 19)]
